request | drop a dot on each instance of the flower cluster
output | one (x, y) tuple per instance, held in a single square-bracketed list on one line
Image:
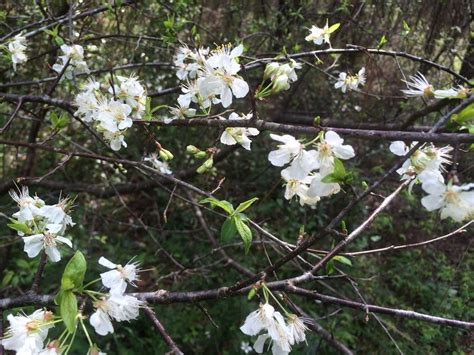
[(351, 82), (116, 304), (17, 48), (426, 166), (41, 226), (27, 333), (419, 86), (281, 334), (310, 174), (280, 77), (238, 135), (73, 54), (210, 77), (112, 111)]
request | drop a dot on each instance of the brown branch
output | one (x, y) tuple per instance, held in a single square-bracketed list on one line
[(164, 334)]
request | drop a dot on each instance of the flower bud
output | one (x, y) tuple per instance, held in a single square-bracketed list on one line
[(207, 165), (200, 155), (270, 69), (191, 149), (280, 84), (165, 155)]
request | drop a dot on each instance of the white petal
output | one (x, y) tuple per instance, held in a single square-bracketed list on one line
[(101, 323), (333, 138), (33, 244), (398, 148), (432, 202), (279, 157), (107, 263), (240, 88), (227, 139), (260, 342)]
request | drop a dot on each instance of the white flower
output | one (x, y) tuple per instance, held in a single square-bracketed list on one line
[(116, 139), (86, 105), (75, 55), (181, 111), (426, 164), (56, 214), (48, 240), (220, 76), (189, 62), (332, 146), (454, 201), (29, 206), (258, 320), (321, 35), (117, 278), (132, 93), (245, 347), (290, 148), (17, 49), (114, 306), (114, 116), (296, 329), (318, 188), (351, 82), (159, 165), (26, 333), (297, 181), (459, 92), (418, 86), (238, 135), (281, 75)]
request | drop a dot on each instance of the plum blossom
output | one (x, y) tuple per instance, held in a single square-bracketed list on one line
[(350, 82), (48, 240), (132, 93), (281, 75), (220, 77), (290, 148), (75, 55), (116, 279), (297, 181), (26, 333), (29, 206), (454, 201), (17, 48), (265, 318), (181, 111), (296, 329), (189, 62), (330, 147), (117, 307), (459, 92), (418, 86), (426, 164), (239, 135), (114, 116), (322, 35)]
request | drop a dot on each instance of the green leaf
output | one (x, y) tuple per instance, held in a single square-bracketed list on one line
[(68, 310), (331, 178), (19, 227), (343, 260), (225, 205), (334, 27), (244, 232), (228, 229), (244, 205), (74, 272), (339, 169), (382, 42)]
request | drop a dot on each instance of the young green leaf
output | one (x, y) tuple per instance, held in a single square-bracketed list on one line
[(244, 232), (382, 42), (244, 205), (343, 260), (19, 227), (73, 275), (223, 204), (68, 310), (228, 229), (334, 27)]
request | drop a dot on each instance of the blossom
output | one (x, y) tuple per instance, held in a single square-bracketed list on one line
[(281, 75), (53, 348), (86, 103), (418, 86), (17, 49), (116, 139), (47, 240), (117, 278), (239, 135), (220, 76), (56, 214), (290, 148), (318, 188), (351, 82), (26, 333), (75, 55), (132, 93), (181, 111), (115, 306), (297, 181), (426, 163), (459, 92), (321, 35), (189, 62), (245, 347), (454, 201), (29, 206), (159, 165), (332, 146), (114, 116), (296, 329)]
